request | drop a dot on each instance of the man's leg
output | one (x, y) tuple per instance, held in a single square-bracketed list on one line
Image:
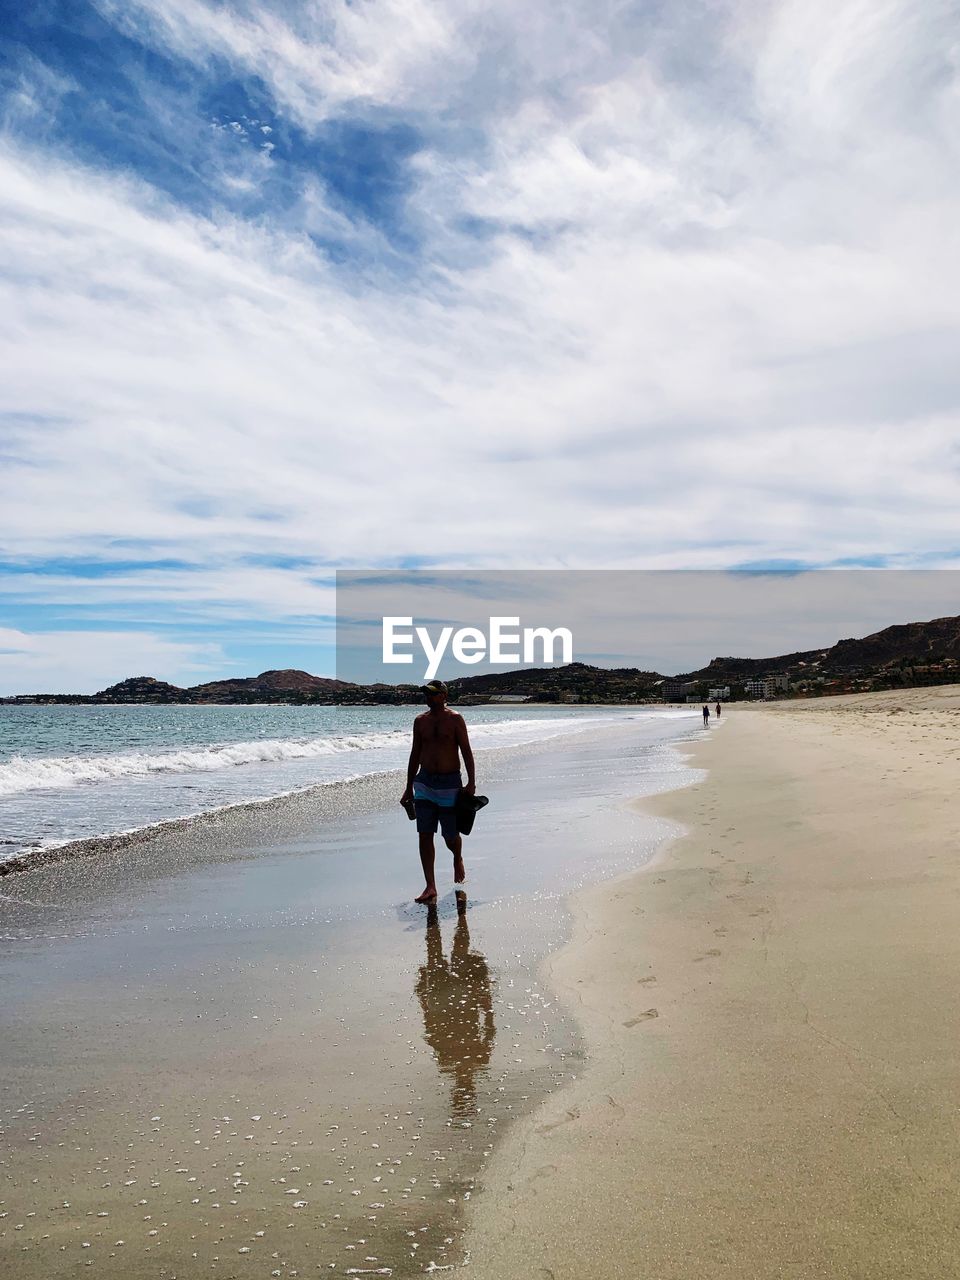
[(455, 845), (428, 857)]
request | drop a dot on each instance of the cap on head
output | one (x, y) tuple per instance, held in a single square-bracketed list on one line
[(433, 687)]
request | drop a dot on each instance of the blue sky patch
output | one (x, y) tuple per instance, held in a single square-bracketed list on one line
[(204, 136)]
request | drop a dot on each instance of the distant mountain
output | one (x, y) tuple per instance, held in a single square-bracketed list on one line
[(141, 689), (550, 684), (912, 642), (722, 670), (267, 685), (912, 653), (881, 659)]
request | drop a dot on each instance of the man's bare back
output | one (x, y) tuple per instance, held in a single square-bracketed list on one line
[(441, 734)]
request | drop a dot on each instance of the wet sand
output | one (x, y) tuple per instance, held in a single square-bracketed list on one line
[(239, 1049), (771, 1022)]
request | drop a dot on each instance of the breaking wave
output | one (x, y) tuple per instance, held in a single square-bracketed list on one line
[(33, 773)]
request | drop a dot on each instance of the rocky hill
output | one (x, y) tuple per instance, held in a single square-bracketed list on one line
[(722, 670), (549, 684), (912, 653), (141, 689), (269, 685), (912, 642)]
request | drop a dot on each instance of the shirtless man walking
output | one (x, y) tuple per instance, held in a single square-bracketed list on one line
[(434, 781)]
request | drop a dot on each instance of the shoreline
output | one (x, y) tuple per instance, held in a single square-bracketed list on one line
[(324, 796), (770, 1021), (270, 1002), (113, 841)]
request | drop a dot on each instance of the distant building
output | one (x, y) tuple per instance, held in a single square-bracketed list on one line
[(509, 697), (719, 695), (677, 690), (767, 687)]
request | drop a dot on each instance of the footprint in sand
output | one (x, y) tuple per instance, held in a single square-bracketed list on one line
[(643, 1017), (572, 1114), (651, 978), (707, 955)]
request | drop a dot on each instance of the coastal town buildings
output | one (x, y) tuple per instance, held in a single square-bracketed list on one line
[(678, 690), (767, 686)]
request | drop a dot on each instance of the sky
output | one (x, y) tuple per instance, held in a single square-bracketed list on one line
[(401, 626), (287, 288)]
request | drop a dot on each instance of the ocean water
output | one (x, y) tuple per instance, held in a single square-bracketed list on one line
[(70, 773)]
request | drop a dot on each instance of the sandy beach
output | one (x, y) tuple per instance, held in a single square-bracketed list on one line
[(771, 1021), (237, 1048)]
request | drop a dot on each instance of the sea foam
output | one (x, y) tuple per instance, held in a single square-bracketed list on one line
[(32, 773), (22, 773)]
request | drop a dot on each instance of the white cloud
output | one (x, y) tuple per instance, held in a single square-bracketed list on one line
[(212, 593), (316, 57), (85, 661), (714, 318)]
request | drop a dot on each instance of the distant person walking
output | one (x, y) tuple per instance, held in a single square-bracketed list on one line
[(706, 714), (434, 781), (718, 710)]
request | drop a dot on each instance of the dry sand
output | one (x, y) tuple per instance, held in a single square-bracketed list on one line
[(773, 1019)]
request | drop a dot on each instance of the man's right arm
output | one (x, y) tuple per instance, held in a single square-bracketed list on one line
[(413, 762)]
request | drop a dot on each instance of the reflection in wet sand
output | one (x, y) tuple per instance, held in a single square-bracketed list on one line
[(456, 997)]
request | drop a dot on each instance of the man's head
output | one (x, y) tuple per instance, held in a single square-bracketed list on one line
[(435, 692)]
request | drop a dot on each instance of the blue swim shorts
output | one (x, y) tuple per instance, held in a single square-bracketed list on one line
[(435, 800)]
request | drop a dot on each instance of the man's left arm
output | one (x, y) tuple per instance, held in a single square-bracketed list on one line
[(463, 742)]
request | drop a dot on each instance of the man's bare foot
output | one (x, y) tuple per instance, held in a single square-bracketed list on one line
[(459, 871), (428, 895)]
